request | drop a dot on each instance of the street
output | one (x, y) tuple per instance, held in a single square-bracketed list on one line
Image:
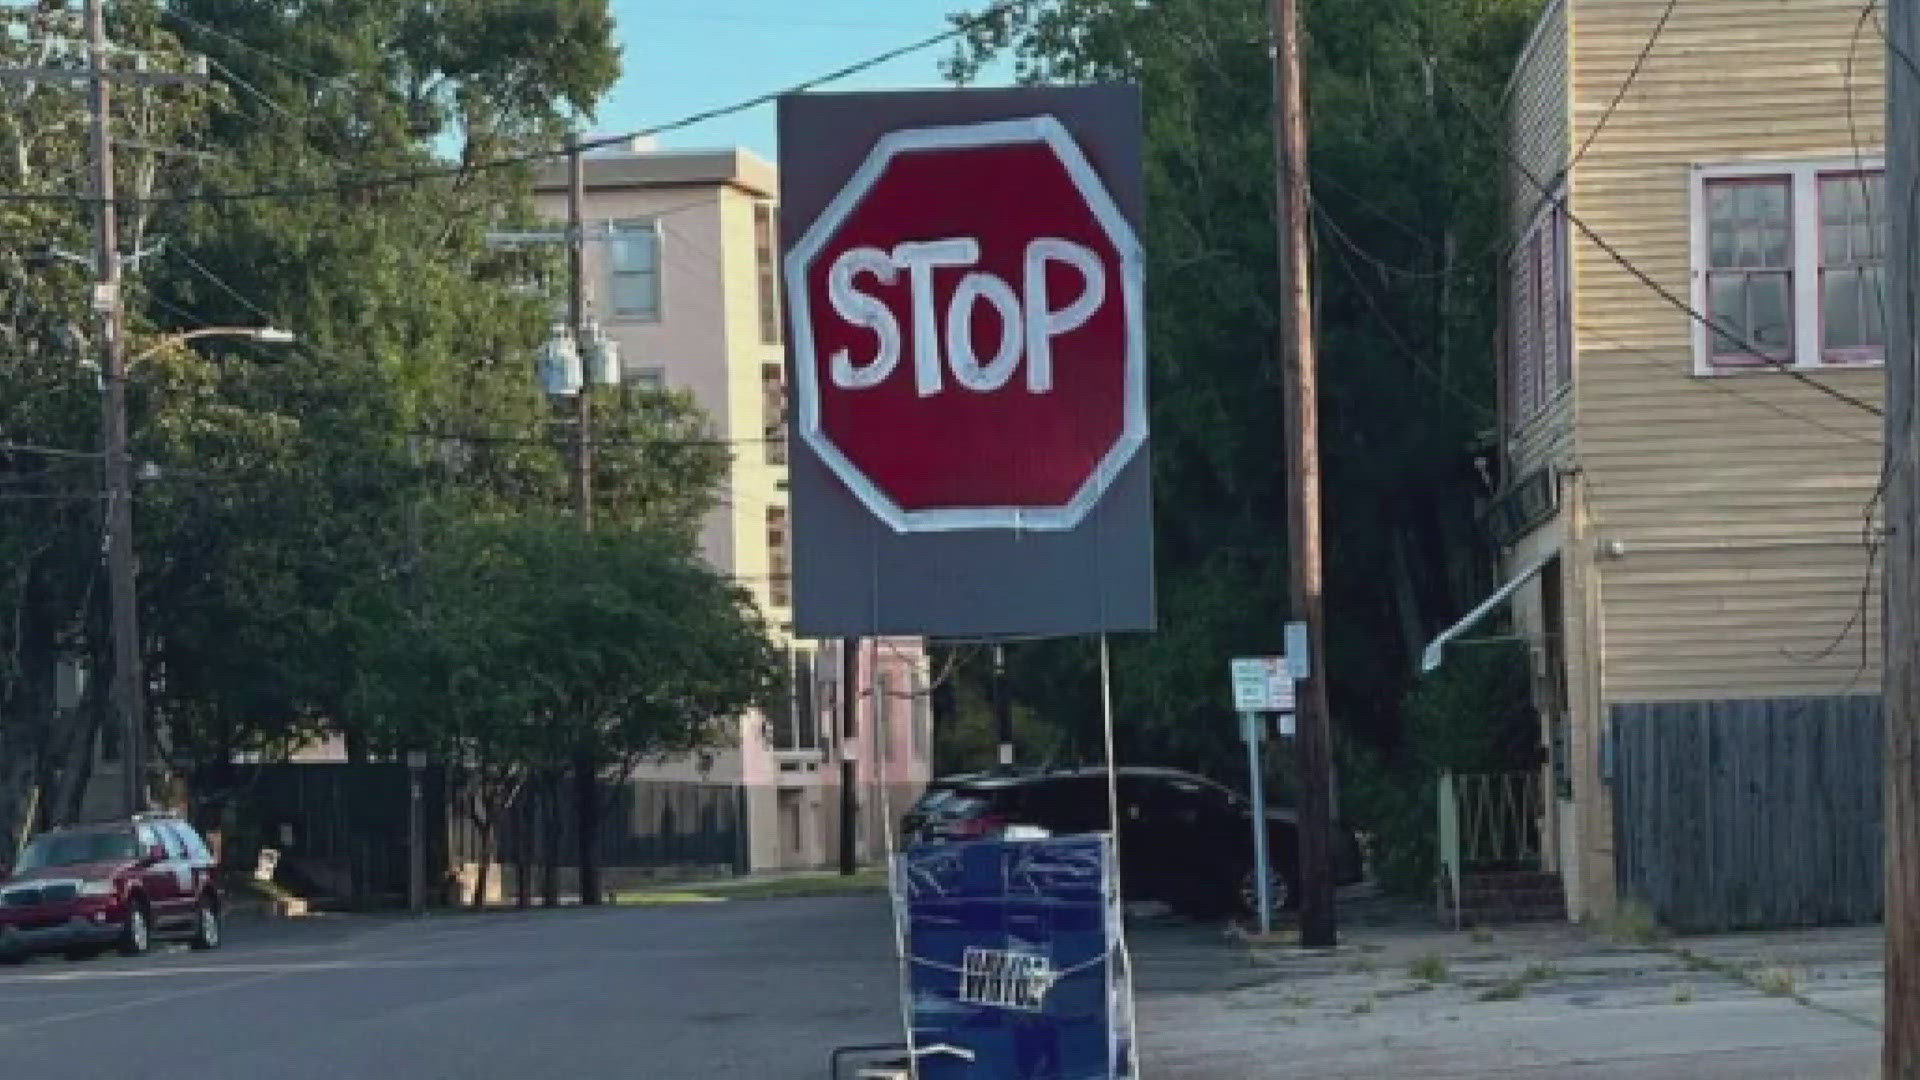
[(746, 989)]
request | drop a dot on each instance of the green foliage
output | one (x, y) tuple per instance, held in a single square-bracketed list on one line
[(1408, 220)]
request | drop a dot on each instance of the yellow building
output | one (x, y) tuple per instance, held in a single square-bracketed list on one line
[(680, 272), (1688, 487)]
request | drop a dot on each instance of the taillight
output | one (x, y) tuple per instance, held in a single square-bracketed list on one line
[(976, 828)]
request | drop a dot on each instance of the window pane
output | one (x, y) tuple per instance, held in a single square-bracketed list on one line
[(1873, 301), (635, 248), (1840, 309), (1770, 322), (636, 295), (1775, 249), (1720, 244), (1727, 305)]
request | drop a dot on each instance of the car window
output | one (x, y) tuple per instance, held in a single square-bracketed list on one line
[(71, 849), (170, 839)]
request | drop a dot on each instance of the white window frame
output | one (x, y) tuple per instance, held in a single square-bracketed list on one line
[(1804, 198), (615, 229)]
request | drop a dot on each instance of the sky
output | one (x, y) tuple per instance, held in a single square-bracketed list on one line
[(684, 56)]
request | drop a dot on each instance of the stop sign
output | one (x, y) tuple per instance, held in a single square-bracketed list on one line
[(967, 330)]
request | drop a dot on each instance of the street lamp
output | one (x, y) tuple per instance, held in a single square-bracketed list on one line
[(128, 692)]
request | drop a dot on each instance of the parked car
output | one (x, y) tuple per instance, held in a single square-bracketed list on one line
[(1184, 839), (84, 889)]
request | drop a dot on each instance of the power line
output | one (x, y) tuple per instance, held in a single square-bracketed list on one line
[(1620, 95), (961, 25), (1647, 280)]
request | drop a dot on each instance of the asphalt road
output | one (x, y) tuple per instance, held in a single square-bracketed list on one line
[(760, 989)]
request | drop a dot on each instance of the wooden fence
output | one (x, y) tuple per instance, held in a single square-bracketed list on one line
[(1749, 814)]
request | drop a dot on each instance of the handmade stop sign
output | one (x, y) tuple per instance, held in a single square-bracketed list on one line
[(967, 330)]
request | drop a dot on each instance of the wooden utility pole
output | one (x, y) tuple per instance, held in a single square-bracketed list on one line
[(1900, 1053), (1317, 923), (586, 765), (125, 691)]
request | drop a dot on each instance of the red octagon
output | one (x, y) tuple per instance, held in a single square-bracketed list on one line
[(967, 330)]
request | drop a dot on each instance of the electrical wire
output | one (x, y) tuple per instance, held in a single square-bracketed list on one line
[(1620, 95), (961, 25), (1653, 285)]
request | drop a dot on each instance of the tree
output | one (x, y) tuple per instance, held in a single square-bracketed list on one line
[(527, 638), (1408, 225)]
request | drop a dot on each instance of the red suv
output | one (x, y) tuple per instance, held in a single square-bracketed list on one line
[(86, 888)]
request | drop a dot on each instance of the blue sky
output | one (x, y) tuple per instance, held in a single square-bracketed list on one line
[(684, 56)]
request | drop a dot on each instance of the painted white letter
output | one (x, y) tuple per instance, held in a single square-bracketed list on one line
[(860, 309), (967, 368), (1043, 322), (919, 259)]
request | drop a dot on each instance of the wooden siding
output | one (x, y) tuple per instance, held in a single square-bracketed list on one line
[(1537, 129), (1750, 814), (1738, 499)]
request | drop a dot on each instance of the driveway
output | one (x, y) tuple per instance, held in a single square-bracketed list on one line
[(1530, 1002)]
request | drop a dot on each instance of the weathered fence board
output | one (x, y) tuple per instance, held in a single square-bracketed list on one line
[(1747, 814)]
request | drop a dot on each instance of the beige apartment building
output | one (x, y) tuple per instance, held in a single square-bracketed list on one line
[(681, 273)]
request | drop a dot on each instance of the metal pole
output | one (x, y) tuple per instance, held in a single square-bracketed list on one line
[(1256, 785), (1317, 929), (416, 835), (849, 767), (586, 771), (125, 690), (1002, 705), (1900, 1047)]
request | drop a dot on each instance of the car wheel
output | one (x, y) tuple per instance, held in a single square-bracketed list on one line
[(137, 938), (206, 926), (1280, 892)]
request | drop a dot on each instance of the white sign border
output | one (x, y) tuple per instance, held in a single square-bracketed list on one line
[(1133, 434)]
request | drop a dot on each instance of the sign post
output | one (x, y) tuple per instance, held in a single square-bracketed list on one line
[(1261, 684)]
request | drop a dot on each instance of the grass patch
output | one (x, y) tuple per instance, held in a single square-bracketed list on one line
[(1633, 923), (864, 882), (1774, 981), (1483, 937), (1297, 1001), (1430, 968), (1540, 971), (1364, 1006), (1505, 990), (1682, 993)]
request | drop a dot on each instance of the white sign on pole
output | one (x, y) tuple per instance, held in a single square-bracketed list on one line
[(1299, 651), (1262, 684)]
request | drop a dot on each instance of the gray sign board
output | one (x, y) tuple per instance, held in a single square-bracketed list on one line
[(856, 574)]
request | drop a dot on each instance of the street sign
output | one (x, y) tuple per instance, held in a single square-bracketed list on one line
[(976, 287), (1262, 684), (966, 349)]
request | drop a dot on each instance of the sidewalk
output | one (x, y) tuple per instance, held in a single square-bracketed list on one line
[(1542, 1001)]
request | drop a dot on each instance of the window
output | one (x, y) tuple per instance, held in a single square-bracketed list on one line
[(779, 558), (650, 378), (922, 716), (1789, 265), (1539, 356), (764, 250), (795, 725), (635, 285), (1853, 267), (773, 403), (1750, 269)]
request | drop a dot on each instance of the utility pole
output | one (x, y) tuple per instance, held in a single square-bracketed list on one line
[(849, 765), (1002, 706), (586, 772), (1900, 1046), (1317, 923), (125, 692)]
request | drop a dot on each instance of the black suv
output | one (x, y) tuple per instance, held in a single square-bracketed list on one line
[(1184, 839)]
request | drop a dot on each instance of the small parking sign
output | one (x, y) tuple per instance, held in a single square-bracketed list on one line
[(1262, 684)]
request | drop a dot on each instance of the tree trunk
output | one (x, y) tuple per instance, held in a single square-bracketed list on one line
[(479, 898), (586, 807), (551, 840), (525, 835)]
